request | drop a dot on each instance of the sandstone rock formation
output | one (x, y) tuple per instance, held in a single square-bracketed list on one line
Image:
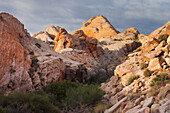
[(48, 36), (28, 63), (98, 27), (133, 78), (13, 56)]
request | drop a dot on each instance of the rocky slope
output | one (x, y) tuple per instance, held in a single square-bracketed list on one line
[(141, 83)]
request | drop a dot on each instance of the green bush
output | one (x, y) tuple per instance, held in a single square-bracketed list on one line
[(3, 110), (31, 102), (83, 95), (12, 70), (31, 53), (98, 79), (147, 73), (163, 37), (160, 80), (59, 89), (143, 65), (64, 95), (132, 78), (72, 94)]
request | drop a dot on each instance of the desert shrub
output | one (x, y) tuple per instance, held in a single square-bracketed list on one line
[(100, 108), (3, 110), (147, 73), (160, 80), (83, 95), (31, 53), (28, 103), (38, 45), (143, 65), (97, 79), (34, 66), (12, 70), (157, 82), (72, 94), (59, 89), (163, 37), (132, 78)]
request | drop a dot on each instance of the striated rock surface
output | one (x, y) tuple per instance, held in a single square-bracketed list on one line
[(13, 56)]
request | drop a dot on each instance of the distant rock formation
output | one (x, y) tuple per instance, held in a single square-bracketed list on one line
[(99, 27), (48, 36)]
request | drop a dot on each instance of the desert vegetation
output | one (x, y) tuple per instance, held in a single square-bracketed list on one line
[(53, 98)]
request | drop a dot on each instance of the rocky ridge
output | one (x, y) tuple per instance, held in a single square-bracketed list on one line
[(147, 92)]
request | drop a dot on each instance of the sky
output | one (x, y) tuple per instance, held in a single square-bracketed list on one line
[(37, 15)]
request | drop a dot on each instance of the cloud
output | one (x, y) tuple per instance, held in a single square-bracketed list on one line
[(37, 15)]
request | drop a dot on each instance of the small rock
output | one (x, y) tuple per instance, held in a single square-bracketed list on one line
[(154, 65), (128, 106), (113, 108), (155, 108), (167, 61), (164, 91), (165, 108), (137, 101), (133, 110), (147, 110), (168, 40), (148, 102)]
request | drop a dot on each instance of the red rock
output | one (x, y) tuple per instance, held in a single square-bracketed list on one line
[(11, 50)]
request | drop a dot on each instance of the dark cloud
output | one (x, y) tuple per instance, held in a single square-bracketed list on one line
[(37, 15)]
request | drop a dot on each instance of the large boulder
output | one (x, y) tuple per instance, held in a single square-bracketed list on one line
[(154, 65), (131, 30)]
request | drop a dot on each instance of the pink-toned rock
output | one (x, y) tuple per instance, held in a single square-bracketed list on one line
[(165, 108), (53, 30), (128, 106), (167, 61), (155, 108), (164, 91), (148, 102), (11, 51), (134, 109), (168, 40), (154, 65)]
